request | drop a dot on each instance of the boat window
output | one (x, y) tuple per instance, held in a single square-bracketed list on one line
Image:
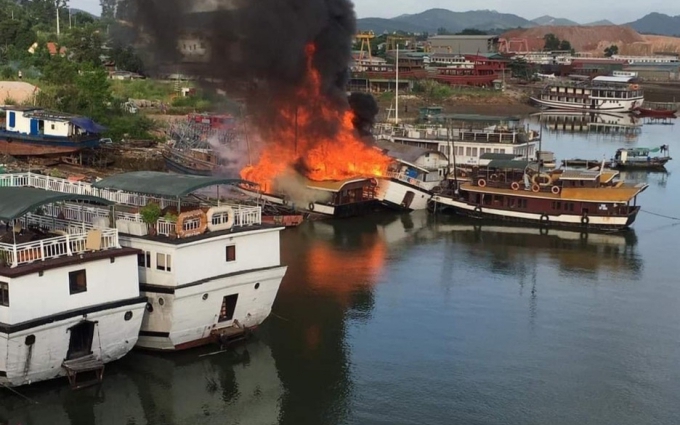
[(4, 294), (228, 308), (144, 259), (556, 205), (231, 253), (77, 281), (522, 203), (163, 262)]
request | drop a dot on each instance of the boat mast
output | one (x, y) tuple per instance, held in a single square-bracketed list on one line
[(396, 97)]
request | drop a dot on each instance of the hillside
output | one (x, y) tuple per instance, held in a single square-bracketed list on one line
[(657, 23), (433, 19), (595, 39), (557, 22), (600, 23)]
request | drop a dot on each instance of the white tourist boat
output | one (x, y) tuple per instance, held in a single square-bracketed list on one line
[(411, 177), (69, 293), (211, 272), (603, 93), (464, 138)]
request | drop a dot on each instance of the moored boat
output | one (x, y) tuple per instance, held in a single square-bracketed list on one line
[(603, 93), (641, 158), (38, 132), (69, 293), (517, 191), (658, 113)]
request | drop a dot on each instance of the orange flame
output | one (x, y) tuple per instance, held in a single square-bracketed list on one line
[(295, 139)]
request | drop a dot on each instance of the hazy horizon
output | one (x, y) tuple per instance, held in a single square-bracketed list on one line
[(614, 11)]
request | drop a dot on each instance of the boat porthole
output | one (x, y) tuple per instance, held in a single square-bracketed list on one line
[(128, 315), (161, 301), (30, 340), (205, 297), (149, 307), (257, 285)]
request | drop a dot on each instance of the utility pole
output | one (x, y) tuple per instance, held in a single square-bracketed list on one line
[(56, 4), (396, 97)]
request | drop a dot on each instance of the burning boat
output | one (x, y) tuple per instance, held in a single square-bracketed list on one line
[(69, 293), (39, 132), (412, 176), (518, 191)]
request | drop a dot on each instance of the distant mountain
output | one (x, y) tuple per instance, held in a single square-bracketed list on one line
[(382, 25), (433, 19), (657, 23), (548, 20), (75, 11), (601, 23)]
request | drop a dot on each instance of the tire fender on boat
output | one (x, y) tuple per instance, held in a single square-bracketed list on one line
[(184, 233), (555, 190), (310, 206), (535, 188), (544, 218), (481, 183), (585, 220), (478, 210), (514, 186), (222, 226)]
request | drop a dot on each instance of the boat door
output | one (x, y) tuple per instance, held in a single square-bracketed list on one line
[(35, 126), (624, 157), (80, 343), (408, 199)]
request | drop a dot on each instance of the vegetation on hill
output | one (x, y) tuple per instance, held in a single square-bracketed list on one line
[(68, 67), (657, 23)]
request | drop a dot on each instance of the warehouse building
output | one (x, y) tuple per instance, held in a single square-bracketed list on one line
[(471, 44)]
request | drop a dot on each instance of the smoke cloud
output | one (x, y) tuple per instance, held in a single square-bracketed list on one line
[(257, 45)]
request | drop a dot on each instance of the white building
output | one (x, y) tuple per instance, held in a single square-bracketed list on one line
[(69, 294)]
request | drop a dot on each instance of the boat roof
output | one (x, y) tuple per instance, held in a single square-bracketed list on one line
[(610, 79), (333, 185), (16, 202), (621, 194), (510, 164), (474, 118), (405, 153), (85, 123), (156, 183)]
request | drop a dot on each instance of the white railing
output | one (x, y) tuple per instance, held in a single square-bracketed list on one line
[(244, 215), (59, 246), (403, 177), (164, 227)]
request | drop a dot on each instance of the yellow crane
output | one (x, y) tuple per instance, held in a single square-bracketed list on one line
[(365, 37)]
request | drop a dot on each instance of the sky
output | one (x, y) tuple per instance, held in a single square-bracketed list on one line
[(582, 11)]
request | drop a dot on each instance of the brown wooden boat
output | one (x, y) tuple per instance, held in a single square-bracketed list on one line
[(516, 191), (660, 113)]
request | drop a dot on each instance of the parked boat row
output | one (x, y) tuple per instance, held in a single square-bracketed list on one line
[(88, 271)]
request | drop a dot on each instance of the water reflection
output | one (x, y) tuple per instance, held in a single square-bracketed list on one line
[(623, 125), (236, 387), (509, 250)]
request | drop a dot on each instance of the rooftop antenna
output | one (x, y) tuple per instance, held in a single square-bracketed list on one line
[(396, 98)]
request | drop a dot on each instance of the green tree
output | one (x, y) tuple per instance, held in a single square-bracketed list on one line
[(60, 71), (442, 31), (472, 31), (565, 45), (108, 9), (126, 58), (611, 51), (551, 42), (84, 44)]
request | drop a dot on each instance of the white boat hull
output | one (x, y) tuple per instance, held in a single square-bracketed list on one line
[(400, 195), (188, 316), (618, 105), (113, 338)]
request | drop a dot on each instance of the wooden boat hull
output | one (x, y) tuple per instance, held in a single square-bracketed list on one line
[(653, 165), (565, 221), (178, 168), (657, 113), (33, 146), (292, 220)]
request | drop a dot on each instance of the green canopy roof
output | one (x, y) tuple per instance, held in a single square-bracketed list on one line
[(496, 156), (509, 164), (161, 184), (15, 202), (474, 118)]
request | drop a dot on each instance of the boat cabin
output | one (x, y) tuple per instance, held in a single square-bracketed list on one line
[(69, 293), (43, 123), (415, 163)]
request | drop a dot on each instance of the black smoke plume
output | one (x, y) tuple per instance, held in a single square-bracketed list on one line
[(365, 110), (258, 45)]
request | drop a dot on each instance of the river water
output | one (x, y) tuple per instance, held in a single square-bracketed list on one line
[(416, 319)]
